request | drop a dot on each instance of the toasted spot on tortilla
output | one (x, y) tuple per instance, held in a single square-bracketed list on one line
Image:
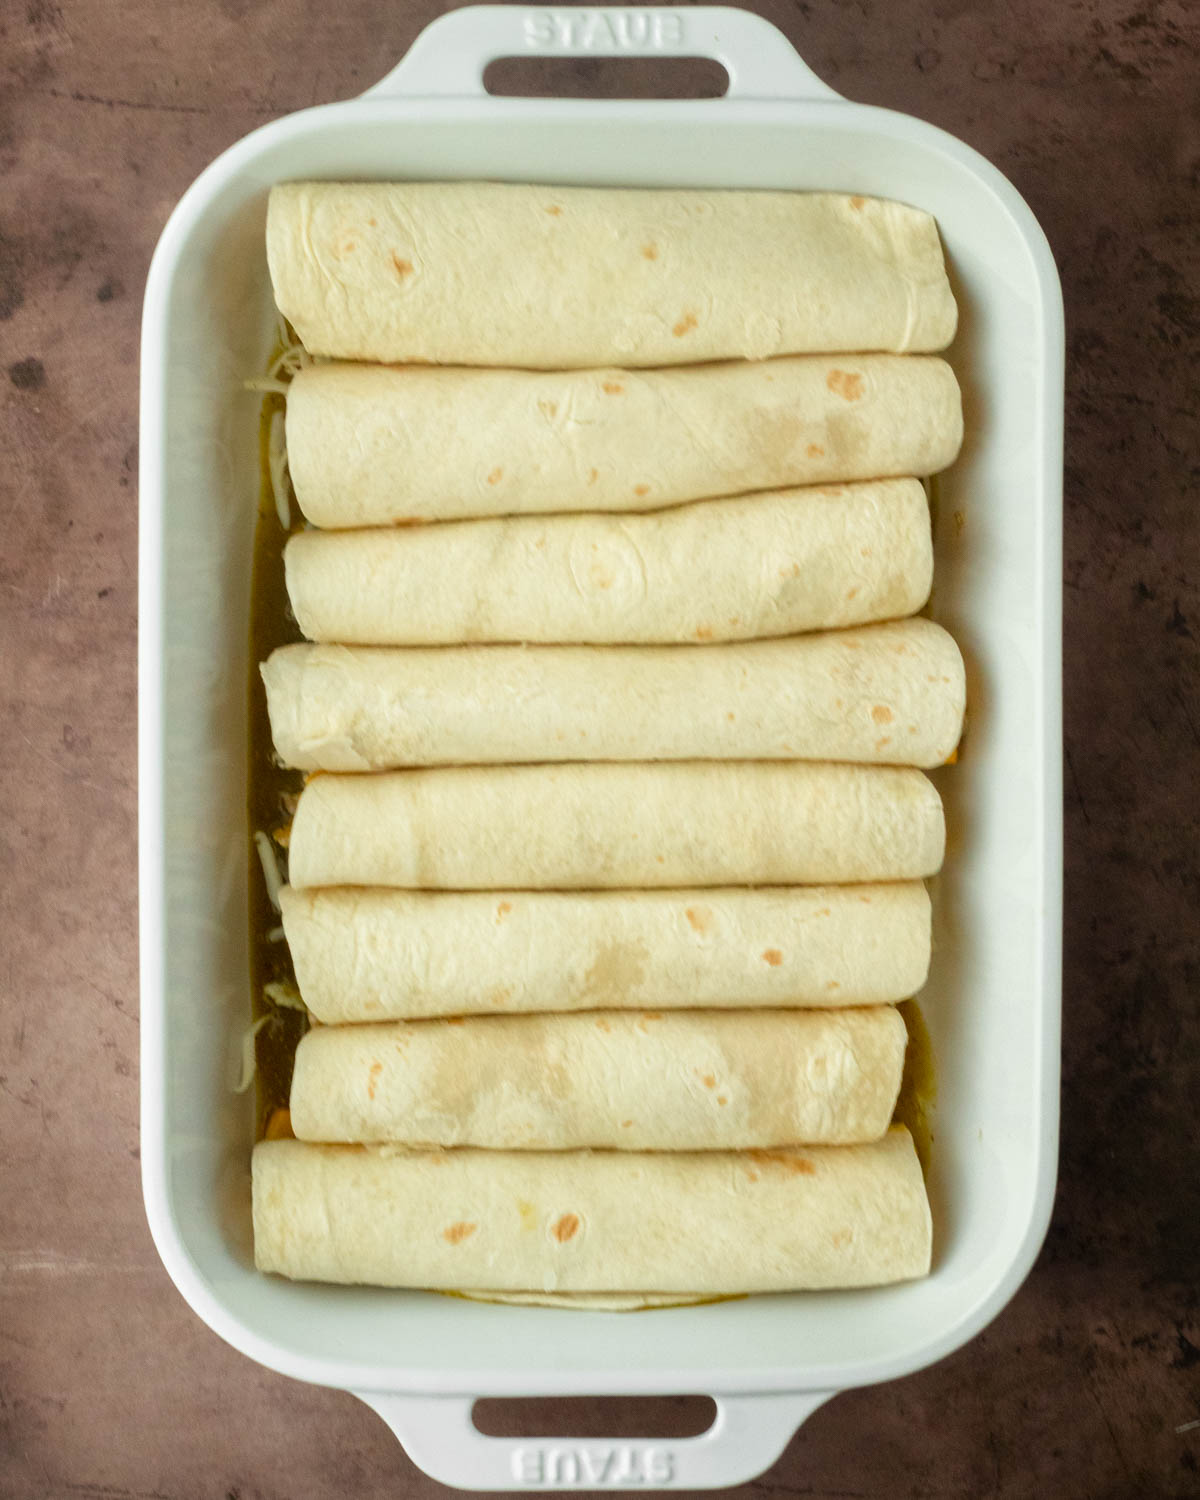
[(814, 450), (454, 1234), (841, 1237), (650, 252), (858, 203), (553, 210), (456, 1020), (700, 918), (799, 1166), (851, 592), (882, 714), (846, 384), (593, 475), (886, 740), (773, 957), (729, 716), (495, 476), (825, 912), (373, 1078), (612, 387), (685, 325), (722, 1099), (625, 1124), (866, 900), (402, 267), (503, 909), (641, 489), (548, 408), (602, 1024), (709, 1080), (833, 985), (374, 223), (703, 633), (566, 1228)]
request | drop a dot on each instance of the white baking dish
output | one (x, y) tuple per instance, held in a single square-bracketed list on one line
[(993, 1002)]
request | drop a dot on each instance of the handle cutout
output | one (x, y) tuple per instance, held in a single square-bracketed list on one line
[(606, 78), (595, 1417)]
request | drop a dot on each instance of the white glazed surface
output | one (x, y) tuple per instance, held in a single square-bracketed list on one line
[(993, 1001)]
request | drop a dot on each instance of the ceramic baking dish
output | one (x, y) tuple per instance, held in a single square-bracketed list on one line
[(993, 1002)]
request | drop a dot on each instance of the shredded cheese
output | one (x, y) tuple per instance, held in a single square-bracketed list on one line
[(270, 867), (284, 995), (249, 1065)]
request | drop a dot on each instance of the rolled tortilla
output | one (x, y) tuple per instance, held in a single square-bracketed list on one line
[(604, 826), (369, 445), (372, 955), (718, 570), (889, 694), (705, 1222), (481, 273), (690, 1080)]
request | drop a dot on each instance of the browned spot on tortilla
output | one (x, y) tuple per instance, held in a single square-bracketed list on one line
[(851, 592), (685, 325), (495, 476), (403, 267), (456, 1233), (841, 1237), (709, 1080), (548, 408), (553, 210), (700, 918), (703, 633), (886, 740), (652, 1015), (773, 957), (641, 489), (814, 450), (650, 252), (882, 714), (858, 203), (374, 223), (661, 858), (730, 717), (799, 1166), (751, 1174), (593, 475), (625, 1124), (845, 383), (373, 1078), (612, 387), (602, 1024), (792, 572), (566, 1228), (501, 995), (503, 909), (824, 912), (722, 1099), (866, 900), (833, 985), (864, 552)]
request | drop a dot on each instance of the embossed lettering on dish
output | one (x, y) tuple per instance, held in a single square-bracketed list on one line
[(605, 30), (590, 1468)]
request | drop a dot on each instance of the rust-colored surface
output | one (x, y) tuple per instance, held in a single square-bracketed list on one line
[(1089, 1384)]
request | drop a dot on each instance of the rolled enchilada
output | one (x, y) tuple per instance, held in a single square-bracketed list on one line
[(373, 955), (370, 445), (890, 694), (481, 273), (772, 564), (701, 1223), (605, 826), (629, 1081)]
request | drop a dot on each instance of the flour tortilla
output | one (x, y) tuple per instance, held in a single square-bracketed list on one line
[(771, 564), (587, 827), (370, 445), (888, 694), (478, 273), (677, 1222), (692, 1080), (373, 955)]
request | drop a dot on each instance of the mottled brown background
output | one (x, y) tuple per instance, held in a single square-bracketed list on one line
[(109, 1386)]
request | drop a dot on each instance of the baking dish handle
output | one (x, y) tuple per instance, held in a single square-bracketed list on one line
[(747, 1435), (450, 55)]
